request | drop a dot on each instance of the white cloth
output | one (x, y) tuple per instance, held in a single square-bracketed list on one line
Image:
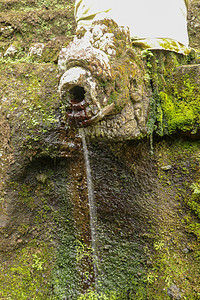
[(145, 18)]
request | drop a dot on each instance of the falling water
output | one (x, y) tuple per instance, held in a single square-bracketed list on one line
[(91, 200)]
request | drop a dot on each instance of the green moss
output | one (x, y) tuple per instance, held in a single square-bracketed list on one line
[(112, 295), (192, 223), (37, 26), (119, 269), (34, 102), (174, 259), (155, 122), (28, 5), (64, 276), (182, 108), (45, 266), (176, 94), (194, 204), (28, 274), (52, 49)]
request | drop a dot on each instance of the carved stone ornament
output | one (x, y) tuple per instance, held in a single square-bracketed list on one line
[(103, 83)]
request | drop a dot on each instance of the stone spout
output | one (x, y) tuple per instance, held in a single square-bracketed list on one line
[(102, 84), (80, 93)]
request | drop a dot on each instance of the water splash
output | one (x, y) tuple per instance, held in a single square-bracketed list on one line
[(91, 200)]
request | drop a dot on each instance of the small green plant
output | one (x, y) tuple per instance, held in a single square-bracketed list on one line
[(158, 245), (151, 278), (194, 200), (196, 188), (92, 295), (146, 53), (82, 251), (38, 264), (27, 276)]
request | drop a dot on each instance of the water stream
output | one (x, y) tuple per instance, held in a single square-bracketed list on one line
[(91, 200)]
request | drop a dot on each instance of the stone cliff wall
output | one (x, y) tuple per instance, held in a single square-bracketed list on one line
[(147, 191)]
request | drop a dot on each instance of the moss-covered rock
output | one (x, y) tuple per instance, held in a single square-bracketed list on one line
[(181, 101), (143, 218), (31, 110), (32, 26), (175, 93), (26, 5), (147, 202)]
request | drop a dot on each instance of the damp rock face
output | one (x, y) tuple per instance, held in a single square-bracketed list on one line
[(102, 84), (147, 204)]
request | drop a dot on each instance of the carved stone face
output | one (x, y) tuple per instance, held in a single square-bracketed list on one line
[(102, 83)]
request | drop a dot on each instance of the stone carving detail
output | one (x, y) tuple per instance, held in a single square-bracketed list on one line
[(102, 84)]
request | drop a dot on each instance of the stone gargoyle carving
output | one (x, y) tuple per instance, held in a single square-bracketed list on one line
[(102, 84)]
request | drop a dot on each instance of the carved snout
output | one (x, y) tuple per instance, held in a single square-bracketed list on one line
[(81, 97)]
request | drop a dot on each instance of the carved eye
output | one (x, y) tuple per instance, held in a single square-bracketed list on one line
[(138, 112), (135, 96)]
